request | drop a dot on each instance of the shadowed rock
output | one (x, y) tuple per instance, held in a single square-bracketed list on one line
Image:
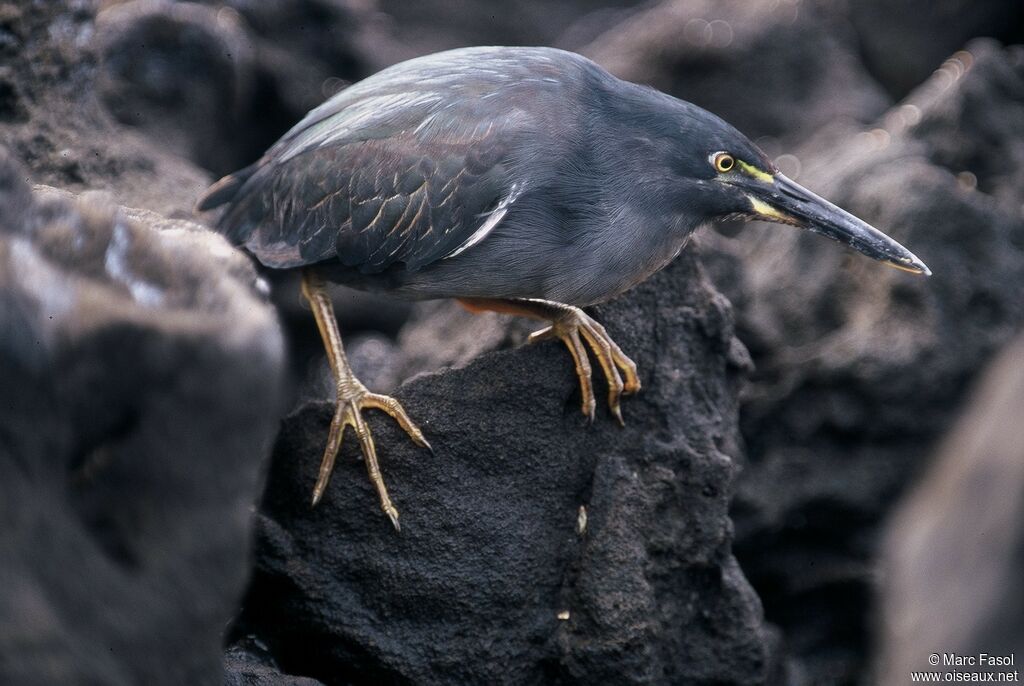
[(254, 667), (770, 67), (860, 368), (308, 49), (427, 26), (903, 41), (955, 547), (182, 74), (442, 333), (141, 381), (218, 82), (496, 576)]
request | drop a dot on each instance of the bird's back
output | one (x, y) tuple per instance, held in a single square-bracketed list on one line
[(407, 166)]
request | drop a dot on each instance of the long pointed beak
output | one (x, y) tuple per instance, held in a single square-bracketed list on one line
[(783, 200)]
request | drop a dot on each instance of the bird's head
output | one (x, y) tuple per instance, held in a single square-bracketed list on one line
[(726, 176)]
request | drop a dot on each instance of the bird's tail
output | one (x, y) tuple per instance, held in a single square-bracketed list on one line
[(225, 190)]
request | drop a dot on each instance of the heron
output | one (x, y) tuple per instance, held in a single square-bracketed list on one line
[(527, 181)]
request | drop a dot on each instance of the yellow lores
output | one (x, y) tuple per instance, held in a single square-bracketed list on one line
[(751, 170), (725, 163)]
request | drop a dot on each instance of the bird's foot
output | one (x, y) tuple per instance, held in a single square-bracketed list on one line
[(573, 326), (353, 398)]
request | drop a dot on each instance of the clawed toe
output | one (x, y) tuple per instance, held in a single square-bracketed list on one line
[(572, 327), (348, 413)]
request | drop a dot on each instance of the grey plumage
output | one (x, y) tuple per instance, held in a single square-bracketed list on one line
[(389, 176)]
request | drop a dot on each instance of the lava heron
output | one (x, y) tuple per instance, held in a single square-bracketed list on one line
[(522, 180)]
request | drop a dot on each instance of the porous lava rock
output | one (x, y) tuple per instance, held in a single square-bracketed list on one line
[(535, 548)]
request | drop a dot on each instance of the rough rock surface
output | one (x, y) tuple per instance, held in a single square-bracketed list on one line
[(491, 551), (770, 67), (140, 386), (254, 666), (956, 546), (52, 122), (860, 368)]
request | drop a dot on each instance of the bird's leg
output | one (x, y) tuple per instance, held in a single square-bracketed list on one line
[(352, 399), (573, 326)]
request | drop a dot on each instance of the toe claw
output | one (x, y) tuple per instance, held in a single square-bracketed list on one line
[(419, 439), (321, 482), (393, 516), (335, 436), (353, 399), (617, 413)]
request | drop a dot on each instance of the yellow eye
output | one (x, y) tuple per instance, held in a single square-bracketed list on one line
[(724, 162)]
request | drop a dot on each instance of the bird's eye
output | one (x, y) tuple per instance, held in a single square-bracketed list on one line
[(723, 161)]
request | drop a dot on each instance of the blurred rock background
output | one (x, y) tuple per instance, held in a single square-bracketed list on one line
[(910, 114)]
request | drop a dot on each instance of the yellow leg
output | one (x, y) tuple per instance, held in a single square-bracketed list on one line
[(573, 326), (353, 398)]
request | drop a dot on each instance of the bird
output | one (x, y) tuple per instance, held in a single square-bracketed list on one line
[(529, 181)]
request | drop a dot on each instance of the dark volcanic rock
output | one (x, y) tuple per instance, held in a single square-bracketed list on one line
[(955, 548), (496, 576), (972, 126), (860, 368), (308, 49), (770, 67), (139, 391), (427, 26), (255, 667), (903, 41), (219, 81), (184, 75)]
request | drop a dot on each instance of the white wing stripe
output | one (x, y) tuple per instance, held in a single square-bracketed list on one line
[(494, 217)]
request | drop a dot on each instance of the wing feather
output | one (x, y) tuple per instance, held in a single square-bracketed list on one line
[(371, 203), (413, 165)]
